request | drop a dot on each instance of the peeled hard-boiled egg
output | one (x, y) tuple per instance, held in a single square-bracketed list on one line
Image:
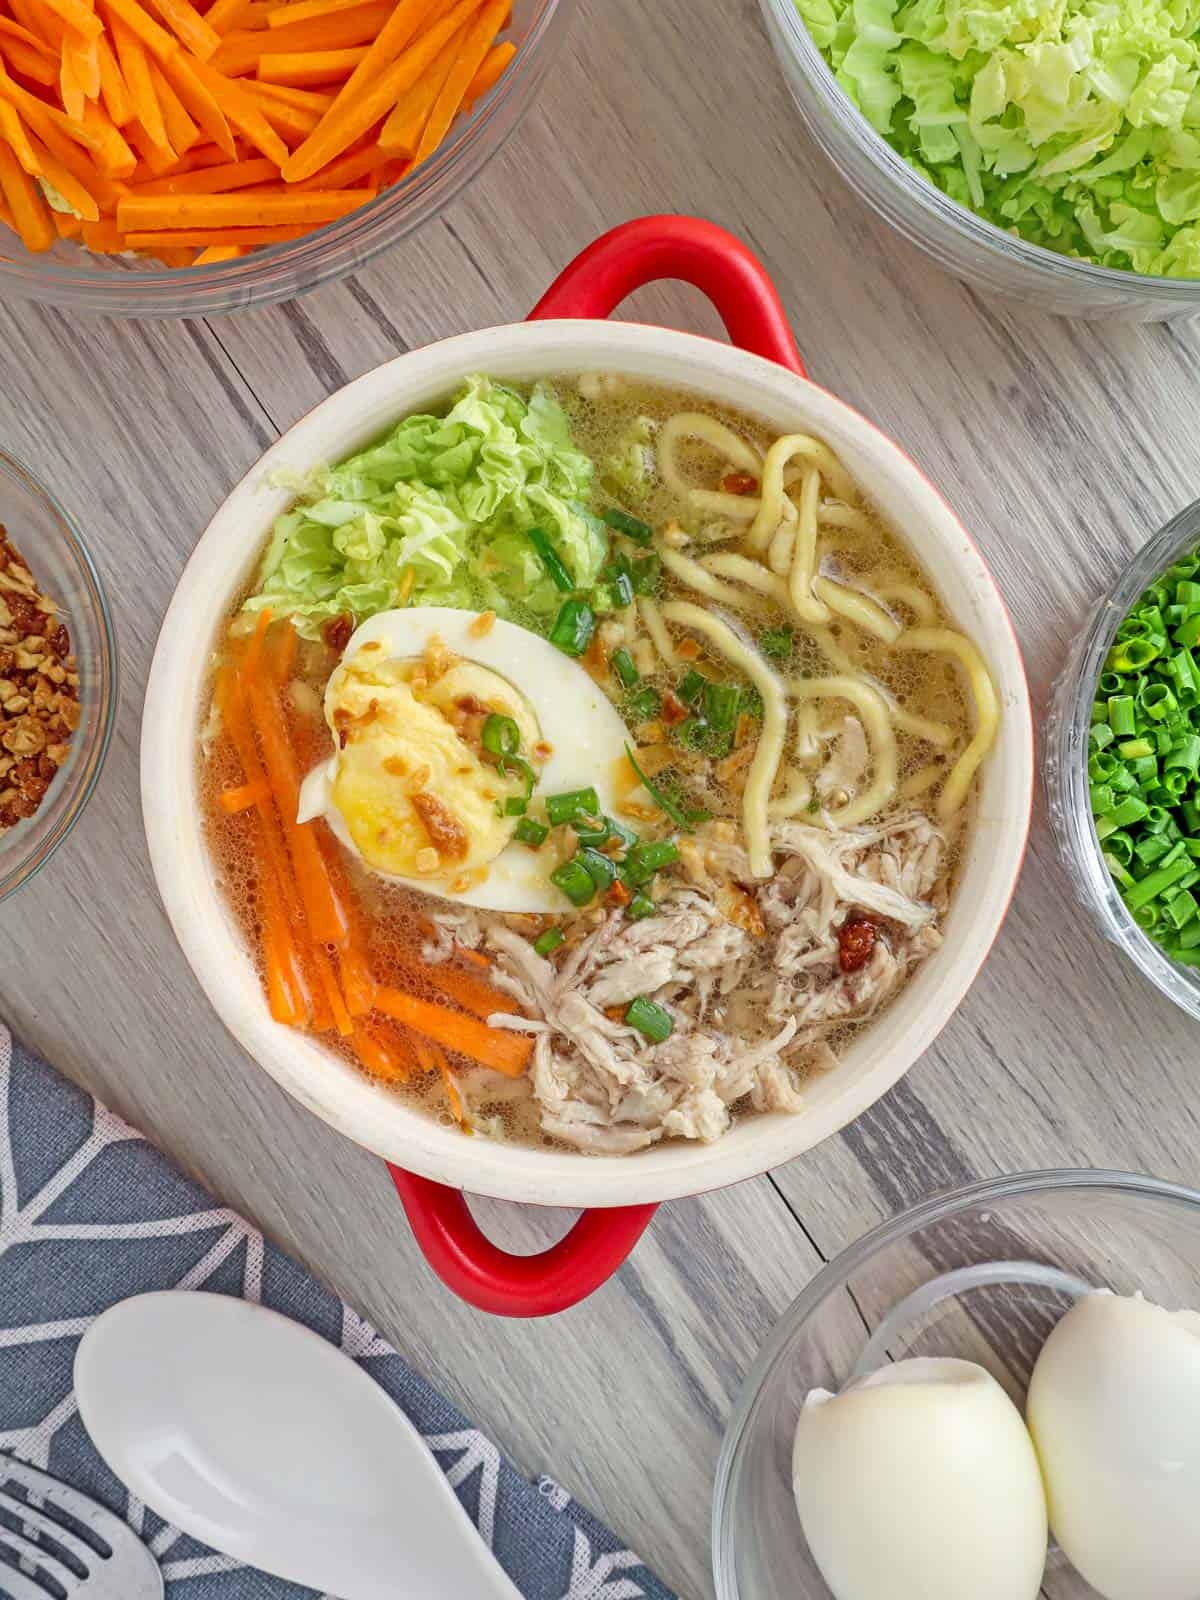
[(920, 1483), (1114, 1410), (406, 789)]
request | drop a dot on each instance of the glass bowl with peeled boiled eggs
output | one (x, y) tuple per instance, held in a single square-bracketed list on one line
[(993, 1397)]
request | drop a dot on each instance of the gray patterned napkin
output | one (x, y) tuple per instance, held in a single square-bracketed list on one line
[(90, 1214)]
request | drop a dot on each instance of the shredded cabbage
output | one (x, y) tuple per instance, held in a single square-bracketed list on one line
[(437, 513), (1072, 123)]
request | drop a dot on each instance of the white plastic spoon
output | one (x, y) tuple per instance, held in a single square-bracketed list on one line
[(252, 1434)]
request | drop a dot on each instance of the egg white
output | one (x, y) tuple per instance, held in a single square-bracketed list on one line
[(1114, 1410), (585, 733)]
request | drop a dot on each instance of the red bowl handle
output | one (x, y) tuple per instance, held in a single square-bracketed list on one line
[(699, 253), (485, 1276), (595, 283)]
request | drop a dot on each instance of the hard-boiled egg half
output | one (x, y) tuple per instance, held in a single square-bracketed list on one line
[(1114, 1409), (409, 788), (920, 1483)]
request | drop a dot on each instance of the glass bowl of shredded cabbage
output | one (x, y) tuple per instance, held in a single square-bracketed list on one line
[(1047, 152)]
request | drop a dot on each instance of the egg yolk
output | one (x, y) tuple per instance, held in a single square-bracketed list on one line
[(411, 781)]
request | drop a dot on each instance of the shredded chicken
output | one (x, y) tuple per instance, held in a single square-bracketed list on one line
[(754, 1011)]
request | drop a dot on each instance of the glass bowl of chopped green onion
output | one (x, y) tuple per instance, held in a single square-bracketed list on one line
[(1123, 761), (1100, 224)]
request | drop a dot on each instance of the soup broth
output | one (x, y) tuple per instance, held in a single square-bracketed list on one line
[(805, 726)]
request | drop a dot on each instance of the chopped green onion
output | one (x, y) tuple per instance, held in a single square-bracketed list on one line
[(1131, 655), (721, 704), (622, 665), (652, 1021), (1131, 749), (752, 706), (1100, 735), (574, 803), (647, 858), (518, 767), (573, 628), (677, 814), (644, 704), (640, 532), (1152, 885), (500, 736), (546, 943), (551, 560), (1120, 715), (692, 733), (531, 832), (691, 686), (777, 643), (599, 868), (575, 881), (645, 574), (621, 831), (1185, 754), (640, 906), (515, 806), (590, 830)]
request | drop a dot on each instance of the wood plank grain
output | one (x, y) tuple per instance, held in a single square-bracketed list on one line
[(1062, 446)]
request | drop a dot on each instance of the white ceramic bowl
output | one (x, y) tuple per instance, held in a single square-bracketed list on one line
[(222, 564)]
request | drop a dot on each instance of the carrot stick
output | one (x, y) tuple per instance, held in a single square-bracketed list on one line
[(243, 112), (339, 1016), (304, 99), (30, 213), (157, 40), (85, 57), (79, 15), (181, 73), (285, 988), (202, 238), (325, 917), (76, 161), (401, 133), (158, 159), (252, 656), (503, 1052), (113, 89), (216, 253), (489, 74), (291, 123), (232, 801), (390, 66), (284, 643), (67, 226), (28, 62), (469, 991), (478, 42), (282, 16), (14, 30), (12, 130), (191, 29), (103, 138), (309, 66), (360, 24), (221, 179), (148, 213), (223, 15), (104, 238), (384, 1052), (75, 193), (182, 130), (457, 1109), (135, 69), (345, 172)]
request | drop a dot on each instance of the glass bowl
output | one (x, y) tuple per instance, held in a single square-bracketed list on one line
[(983, 1273), (956, 238), (1066, 737), (62, 569), (123, 286)]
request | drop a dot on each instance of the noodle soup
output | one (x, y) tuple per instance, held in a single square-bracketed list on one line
[(589, 763)]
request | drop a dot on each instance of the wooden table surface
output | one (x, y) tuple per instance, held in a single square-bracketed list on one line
[(1062, 446)]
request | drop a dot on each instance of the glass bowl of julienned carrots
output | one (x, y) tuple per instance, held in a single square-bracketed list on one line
[(1123, 761), (186, 157)]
